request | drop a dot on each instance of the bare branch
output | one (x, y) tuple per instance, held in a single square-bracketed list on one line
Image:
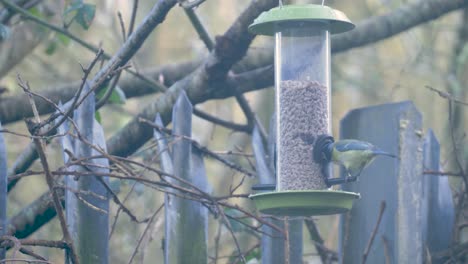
[(374, 232), (145, 232), (133, 17), (56, 199)]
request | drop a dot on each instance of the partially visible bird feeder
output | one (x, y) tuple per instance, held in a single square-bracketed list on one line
[(302, 84)]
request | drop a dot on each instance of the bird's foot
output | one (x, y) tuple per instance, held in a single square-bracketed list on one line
[(335, 181), (351, 179)]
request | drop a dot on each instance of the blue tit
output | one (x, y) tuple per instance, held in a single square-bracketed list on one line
[(354, 155)]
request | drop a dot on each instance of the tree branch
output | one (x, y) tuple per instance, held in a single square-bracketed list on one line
[(229, 49), (397, 21), (15, 108), (209, 82)]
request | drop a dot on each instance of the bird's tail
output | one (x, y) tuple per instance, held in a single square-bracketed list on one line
[(380, 152)]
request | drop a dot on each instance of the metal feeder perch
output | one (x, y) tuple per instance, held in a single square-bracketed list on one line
[(302, 85)]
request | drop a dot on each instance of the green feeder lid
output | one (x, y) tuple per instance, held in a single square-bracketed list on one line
[(304, 203), (267, 22)]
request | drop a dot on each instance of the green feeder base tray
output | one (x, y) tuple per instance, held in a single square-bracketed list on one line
[(304, 203)]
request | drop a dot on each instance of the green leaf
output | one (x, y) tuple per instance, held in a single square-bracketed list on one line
[(117, 96), (253, 255), (97, 116), (252, 258), (51, 47), (72, 11), (57, 40), (35, 12), (65, 40), (85, 15)]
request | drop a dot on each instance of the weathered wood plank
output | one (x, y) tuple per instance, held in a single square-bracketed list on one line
[(395, 128), (87, 218), (186, 220), (3, 191), (273, 243)]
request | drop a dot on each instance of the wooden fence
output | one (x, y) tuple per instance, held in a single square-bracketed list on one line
[(417, 220), (419, 214)]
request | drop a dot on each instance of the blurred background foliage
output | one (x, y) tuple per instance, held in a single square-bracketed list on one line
[(398, 68)]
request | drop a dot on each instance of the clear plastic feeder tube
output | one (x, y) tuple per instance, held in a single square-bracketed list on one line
[(302, 83)]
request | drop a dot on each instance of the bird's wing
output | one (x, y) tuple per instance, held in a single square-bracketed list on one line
[(350, 144)]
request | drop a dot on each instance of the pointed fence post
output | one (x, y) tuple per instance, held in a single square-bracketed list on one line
[(68, 143), (88, 220), (404, 229), (171, 215), (186, 220), (438, 208), (273, 244), (200, 213), (3, 191)]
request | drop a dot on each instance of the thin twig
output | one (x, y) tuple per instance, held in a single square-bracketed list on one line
[(26, 14), (24, 260), (286, 241), (216, 247), (120, 209), (78, 192), (248, 251), (462, 196), (56, 199), (443, 173), (374, 232), (229, 227), (49, 178), (16, 244), (201, 148), (190, 4), (386, 249), (221, 122), (446, 95), (44, 243), (31, 253), (133, 17), (234, 153), (261, 220), (57, 203), (74, 104), (201, 30), (148, 226), (322, 251), (109, 190), (241, 100), (122, 26)]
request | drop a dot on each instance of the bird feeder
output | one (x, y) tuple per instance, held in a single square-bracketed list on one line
[(302, 100)]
